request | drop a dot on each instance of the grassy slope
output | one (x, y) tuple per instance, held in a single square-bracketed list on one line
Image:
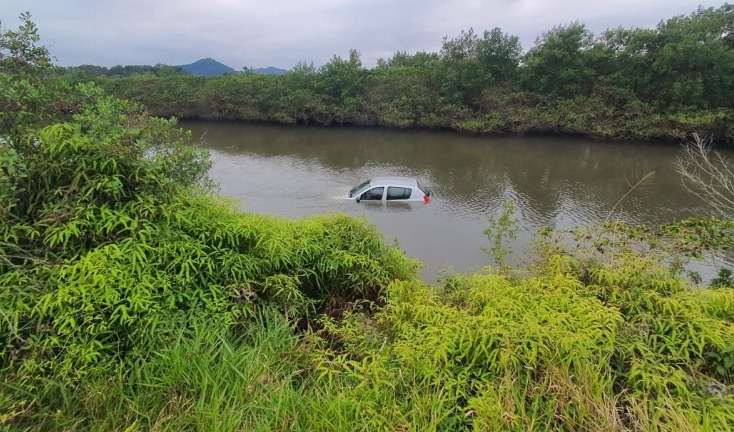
[(628, 349)]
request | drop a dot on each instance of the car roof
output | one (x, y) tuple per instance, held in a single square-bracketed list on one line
[(394, 181)]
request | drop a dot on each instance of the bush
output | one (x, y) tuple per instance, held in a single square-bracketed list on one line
[(111, 249), (629, 347)]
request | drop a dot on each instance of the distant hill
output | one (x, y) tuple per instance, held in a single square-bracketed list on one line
[(210, 67), (269, 71), (207, 67)]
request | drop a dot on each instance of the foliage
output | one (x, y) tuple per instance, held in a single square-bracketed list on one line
[(20, 52), (470, 64), (85, 72), (724, 279), (559, 65), (693, 236), (683, 62), (24, 63), (615, 345), (501, 229)]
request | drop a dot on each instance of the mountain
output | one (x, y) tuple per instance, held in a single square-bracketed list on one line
[(207, 67), (210, 67), (270, 71)]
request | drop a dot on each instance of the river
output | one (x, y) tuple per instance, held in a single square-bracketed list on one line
[(554, 181)]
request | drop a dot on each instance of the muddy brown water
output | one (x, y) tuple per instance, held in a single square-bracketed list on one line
[(555, 182)]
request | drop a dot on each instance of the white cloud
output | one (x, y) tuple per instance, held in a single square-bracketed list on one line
[(283, 32)]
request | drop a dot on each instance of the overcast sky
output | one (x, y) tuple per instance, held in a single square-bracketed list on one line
[(281, 33)]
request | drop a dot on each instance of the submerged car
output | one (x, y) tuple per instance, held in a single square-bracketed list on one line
[(390, 189)]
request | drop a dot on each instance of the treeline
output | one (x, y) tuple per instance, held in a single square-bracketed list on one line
[(82, 72), (658, 83)]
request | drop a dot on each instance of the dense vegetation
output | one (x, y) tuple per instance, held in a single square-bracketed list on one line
[(86, 71), (658, 83), (132, 299)]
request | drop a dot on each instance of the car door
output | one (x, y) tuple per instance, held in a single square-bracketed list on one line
[(374, 194), (398, 193)]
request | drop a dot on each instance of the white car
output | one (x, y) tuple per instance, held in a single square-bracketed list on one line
[(399, 189)]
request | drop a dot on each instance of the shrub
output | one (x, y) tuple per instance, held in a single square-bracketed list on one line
[(111, 248)]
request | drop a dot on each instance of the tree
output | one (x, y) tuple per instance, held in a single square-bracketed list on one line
[(20, 51), (472, 64), (24, 63), (558, 65), (342, 80), (686, 61), (420, 60), (499, 55)]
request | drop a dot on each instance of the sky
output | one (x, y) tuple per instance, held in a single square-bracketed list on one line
[(282, 33)]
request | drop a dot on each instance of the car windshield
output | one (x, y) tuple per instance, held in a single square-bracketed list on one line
[(359, 187)]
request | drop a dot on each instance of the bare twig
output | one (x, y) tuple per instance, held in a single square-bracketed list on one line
[(707, 174), (629, 191)]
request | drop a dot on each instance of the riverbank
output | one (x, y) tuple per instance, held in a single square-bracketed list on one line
[(498, 113)]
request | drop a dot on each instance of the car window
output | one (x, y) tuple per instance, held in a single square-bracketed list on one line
[(358, 188), (398, 193), (373, 194)]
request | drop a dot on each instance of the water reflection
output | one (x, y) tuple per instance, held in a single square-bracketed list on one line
[(557, 182)]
